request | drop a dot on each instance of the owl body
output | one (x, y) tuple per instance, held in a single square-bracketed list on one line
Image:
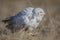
[(29, 17)]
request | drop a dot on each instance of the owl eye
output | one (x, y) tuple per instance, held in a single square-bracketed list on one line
[(41, 12), (38, 21)]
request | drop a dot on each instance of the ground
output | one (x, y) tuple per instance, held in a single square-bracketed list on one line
[(48, 29)]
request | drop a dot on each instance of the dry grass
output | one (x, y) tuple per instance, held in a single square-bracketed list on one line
[(49, 28)]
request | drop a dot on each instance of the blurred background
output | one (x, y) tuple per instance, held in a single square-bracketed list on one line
[(49, 29)]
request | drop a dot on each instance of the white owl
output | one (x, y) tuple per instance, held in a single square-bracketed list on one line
[(29, 17)]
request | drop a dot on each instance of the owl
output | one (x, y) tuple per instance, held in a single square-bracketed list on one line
[(28, 18)]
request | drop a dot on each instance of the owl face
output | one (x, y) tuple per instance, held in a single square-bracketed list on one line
[(39, 11)]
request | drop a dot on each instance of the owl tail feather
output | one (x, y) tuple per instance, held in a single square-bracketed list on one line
[(6, 20)]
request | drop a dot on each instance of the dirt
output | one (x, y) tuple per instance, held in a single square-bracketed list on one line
[(48, 29)]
